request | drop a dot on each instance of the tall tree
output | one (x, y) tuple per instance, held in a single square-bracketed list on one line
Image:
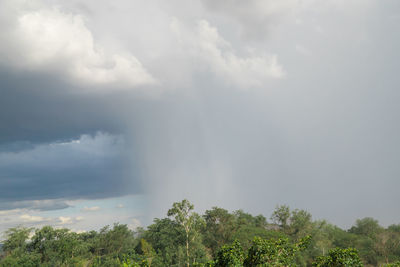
[(300, 223), (189, 220), (281, 216)]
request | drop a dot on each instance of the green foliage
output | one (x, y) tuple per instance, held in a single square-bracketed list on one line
[(263, 252), (372, 241), (167, 239), (300, 223), (191, 223), (394, 228), (16, 238), (130, 263), (147, 251), (281, 216), (219, 229), (182, 211), (246, 233), (217, 238), (230, 255), (368, 227), (57, 246), (339, 258), (19, 257), (394, 264), (118, 239), (387, 245), (274, 252), (246, 227)]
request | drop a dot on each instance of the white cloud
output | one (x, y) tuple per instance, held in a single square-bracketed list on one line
[(94, 208), (218, 55), (48, 39), (65, 220), (33, 219), (23, 217), (120, 206), (80, 231), (9, 212)]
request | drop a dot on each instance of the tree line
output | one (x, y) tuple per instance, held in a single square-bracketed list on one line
[(216, 238)]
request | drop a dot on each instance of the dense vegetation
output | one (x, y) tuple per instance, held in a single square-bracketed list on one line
[(216, 238)]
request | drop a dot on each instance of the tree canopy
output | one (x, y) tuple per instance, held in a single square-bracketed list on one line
[(214, 239)]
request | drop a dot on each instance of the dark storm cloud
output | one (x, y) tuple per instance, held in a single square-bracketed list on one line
[(40, 205), (88, 167), (42, 119), (38, 108)]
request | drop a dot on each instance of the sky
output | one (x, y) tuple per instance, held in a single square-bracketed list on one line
[(110, 111)]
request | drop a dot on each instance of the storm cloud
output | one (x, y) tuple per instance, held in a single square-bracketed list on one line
[(85, 167), (237, 104)]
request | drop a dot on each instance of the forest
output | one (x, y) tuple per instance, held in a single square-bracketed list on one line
[(216, 238)]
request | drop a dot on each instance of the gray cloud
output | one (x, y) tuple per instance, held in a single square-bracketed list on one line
[(39, 108), (217, 55), (323, 138), (255, 17), (259, 19), (88, 167), (40, 205)]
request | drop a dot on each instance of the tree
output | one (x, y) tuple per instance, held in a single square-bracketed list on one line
[(19, 257), (58, 246), (300, 223), (147, 250), (281, 216), (166, 237), (339, 258), (16, 238), (15, 249), (189, 220), (219, 230), (387, 245), (274, 252), (367, 231), (230, 255), (111, 245), (367, 227)]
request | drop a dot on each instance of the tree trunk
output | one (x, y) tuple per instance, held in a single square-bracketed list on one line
[(187, 248)]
